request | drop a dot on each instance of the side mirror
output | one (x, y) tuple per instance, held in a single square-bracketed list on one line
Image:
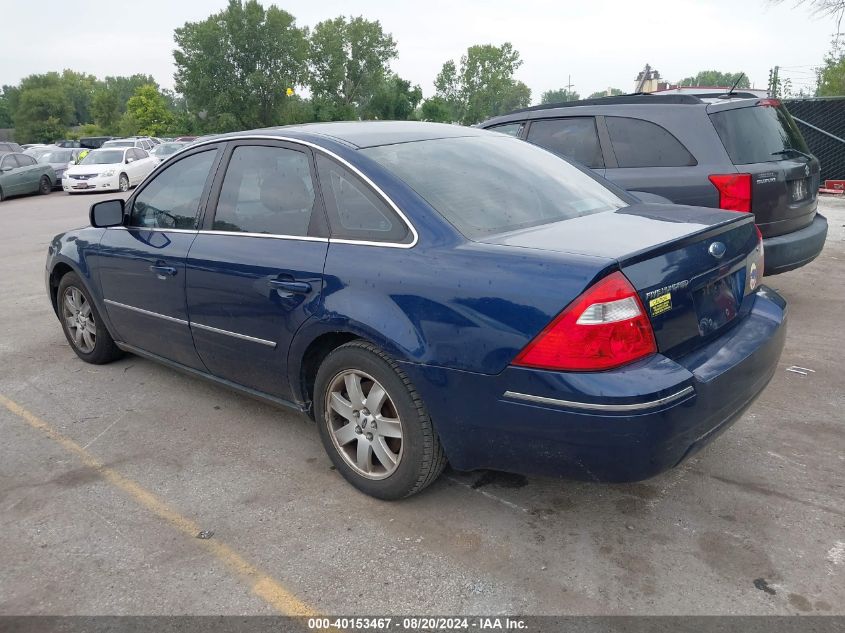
[(107, 213)]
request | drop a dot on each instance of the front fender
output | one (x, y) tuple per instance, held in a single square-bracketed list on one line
[(75, 251)]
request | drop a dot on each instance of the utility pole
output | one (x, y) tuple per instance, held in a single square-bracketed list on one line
[(774, 82), (569, 87)]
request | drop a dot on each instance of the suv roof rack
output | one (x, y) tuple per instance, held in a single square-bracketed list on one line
[(633, 98)]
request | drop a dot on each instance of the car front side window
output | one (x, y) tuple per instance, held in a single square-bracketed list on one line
[(172, 199)]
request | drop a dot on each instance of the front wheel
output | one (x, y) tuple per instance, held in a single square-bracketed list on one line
[(123, 183), (45, 186), (373, 423), (82, 324)]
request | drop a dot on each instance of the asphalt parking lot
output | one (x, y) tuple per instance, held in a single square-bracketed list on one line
[(108, 474)]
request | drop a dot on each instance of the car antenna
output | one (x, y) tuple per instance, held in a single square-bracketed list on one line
[(736, 83)]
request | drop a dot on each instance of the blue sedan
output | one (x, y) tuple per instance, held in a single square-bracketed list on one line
[(430, 292)]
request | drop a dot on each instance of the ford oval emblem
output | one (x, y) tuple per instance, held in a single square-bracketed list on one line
[(717, 250)]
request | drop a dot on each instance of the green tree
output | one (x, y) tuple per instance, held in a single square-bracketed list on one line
[(241, 62), (393, 99), (5, 110), (610, 92), (349, 63), (80, 88), (43, 110), (717, 78), (831, 75), (561, 95), (483, 85), (436, 109), (148, 110), (110, 97)]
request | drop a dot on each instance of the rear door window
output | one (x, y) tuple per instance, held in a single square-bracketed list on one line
[(758, 134), (574, 138), (639, 143)]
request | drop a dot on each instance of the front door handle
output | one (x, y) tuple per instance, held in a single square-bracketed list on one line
[(163, 271), (299, 287)]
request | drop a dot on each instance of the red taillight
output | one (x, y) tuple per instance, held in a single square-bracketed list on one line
[(734, 191), (604, 327), (772, 103)]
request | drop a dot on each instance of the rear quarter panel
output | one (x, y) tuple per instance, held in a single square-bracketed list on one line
[(470, 307)]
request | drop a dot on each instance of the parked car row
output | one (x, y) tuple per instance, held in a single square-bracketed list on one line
[(118, 165)]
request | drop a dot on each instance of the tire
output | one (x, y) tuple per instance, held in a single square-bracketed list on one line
[(398, 429), (123, 183), (78, 313), (2, 197), (45, 186)]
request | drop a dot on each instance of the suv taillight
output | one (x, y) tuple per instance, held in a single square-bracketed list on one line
[(734, 191), (603, 328)]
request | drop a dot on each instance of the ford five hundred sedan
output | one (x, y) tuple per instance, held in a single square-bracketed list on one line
[(430, 292)]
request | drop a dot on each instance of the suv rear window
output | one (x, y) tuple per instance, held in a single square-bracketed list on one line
[(493, 184), (759, 134), (639, 143)]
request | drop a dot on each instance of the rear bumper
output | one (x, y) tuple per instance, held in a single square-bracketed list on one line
[(793, 250), (621, 425)]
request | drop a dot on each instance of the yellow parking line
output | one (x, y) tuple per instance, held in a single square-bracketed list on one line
[(260, 583)]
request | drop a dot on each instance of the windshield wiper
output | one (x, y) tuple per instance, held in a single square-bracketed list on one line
[(791, 150)]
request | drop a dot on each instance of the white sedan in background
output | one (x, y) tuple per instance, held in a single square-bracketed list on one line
[(108, 169)]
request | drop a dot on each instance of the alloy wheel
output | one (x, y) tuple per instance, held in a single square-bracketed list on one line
[(76, 312), (364, 424), (124, 183)]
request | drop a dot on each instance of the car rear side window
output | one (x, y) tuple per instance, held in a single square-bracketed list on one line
[(355, 211), (758, 134), (639, 143), (511, 129), (266, 190), (171, 200), (574, 138)]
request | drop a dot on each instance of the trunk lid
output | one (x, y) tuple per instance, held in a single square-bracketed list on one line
[(763, 141), (689, 288)]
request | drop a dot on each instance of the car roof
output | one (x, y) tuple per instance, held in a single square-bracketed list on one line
[(360, 134)]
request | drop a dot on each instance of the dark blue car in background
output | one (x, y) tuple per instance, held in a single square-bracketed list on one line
[(430, 292)]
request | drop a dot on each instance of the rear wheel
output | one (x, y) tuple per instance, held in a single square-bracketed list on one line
[(45, 186), (82, 324), (373, 423), (123, 182)]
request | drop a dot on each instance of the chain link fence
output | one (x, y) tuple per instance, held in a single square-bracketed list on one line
[(822, 123)]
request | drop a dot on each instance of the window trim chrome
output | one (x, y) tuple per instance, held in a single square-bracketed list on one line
[(342, 161), (146, 312), (192, 324), (593, 406), (244, 337)]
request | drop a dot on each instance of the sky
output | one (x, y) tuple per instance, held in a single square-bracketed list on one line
[(593, 44)]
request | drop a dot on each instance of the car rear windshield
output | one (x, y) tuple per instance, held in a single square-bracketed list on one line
[(489, 185), (758, 134), (119, 144)]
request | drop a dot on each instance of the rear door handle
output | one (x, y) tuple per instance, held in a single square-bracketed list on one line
[(163, 271), (299, 287)]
